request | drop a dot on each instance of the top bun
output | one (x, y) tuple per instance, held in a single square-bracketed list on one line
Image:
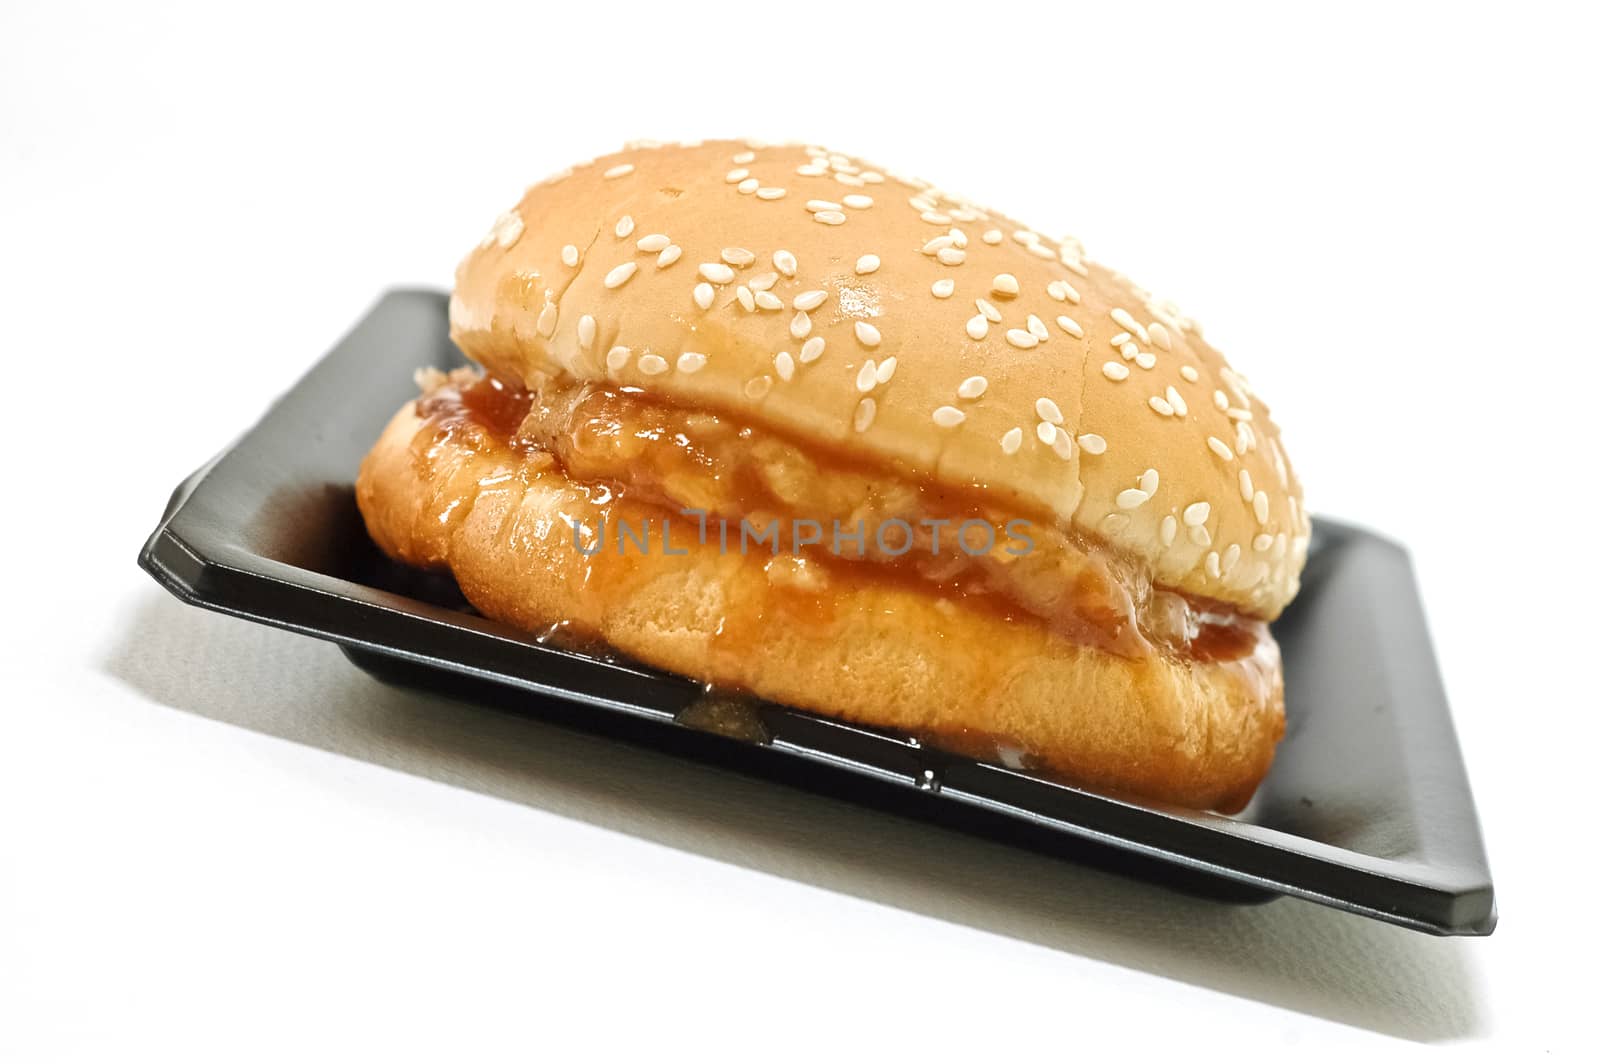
[(823, 297)]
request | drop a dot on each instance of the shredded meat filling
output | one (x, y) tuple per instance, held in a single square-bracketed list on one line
[(684, 459)]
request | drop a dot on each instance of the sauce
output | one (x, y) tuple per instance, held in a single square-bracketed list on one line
[(638, 459)]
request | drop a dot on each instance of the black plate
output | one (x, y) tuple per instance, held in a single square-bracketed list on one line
[(1366, 809)]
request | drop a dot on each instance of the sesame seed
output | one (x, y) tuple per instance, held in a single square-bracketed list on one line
[(784, 365), (1175, 400), (1073, 264), (1160, 406), (1159, 336), (972, 387), (733, 177), (868, 264), (748, 185), (935, 218), (858, 201), (992, 236), (1021, 338), (1004, 284), (886, 369), (1115, 371), (829, 217), (617, 357), (744, 158), (817, 206), (868, 334), (1262, 543), (739, 257), (811, 350), (1046, 433), (770, 193), (958, 238), (620, 170), (716, 272), (872, 177), (547, 318), (1126, 320), (1121, 340), (1037, 327), (811, 170), (1199, 536), (1196, 513), (669, 254), (849, 179), (1220, 449), (762, 281), (758, 387), (1011, 442), (785, 262), (810, 300), (1189, 373), (586, 330), (977, 327), (1220, 397), (1115, 523), (938, 244), (944, 288), (653, 243), (624, 226), (1047, 410), (800, 325), (1213, 566), (1063, 292), (747, 298), (1239, 415), (691, 362), (866, 410), (1169, 530), (1262, 507), (703, 295), (767, 301), (1131, 499), (1039, 251), (569, 255), (652, 365), (1092, 443), (1129, 350), (1230, 557), (1247, 490), (952, 256), (987, 309), (1149, 481), (1025, 236), (948, 417), (1070, 327)]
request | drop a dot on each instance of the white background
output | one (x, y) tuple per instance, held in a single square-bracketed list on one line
[(223, 843)]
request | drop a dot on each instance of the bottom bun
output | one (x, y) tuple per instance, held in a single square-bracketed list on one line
[(845, 640)]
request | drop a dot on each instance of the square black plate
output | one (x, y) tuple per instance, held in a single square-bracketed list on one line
[(1367, 807)]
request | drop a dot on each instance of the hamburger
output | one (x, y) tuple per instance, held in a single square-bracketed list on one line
[(791, 424)]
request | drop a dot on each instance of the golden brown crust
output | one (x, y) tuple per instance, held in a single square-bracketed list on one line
[(595, 275), (887, 653)]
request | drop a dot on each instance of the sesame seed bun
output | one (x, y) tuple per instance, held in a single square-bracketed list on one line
[(870, 314)]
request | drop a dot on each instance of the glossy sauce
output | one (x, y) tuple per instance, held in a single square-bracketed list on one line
[(642, 458)]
